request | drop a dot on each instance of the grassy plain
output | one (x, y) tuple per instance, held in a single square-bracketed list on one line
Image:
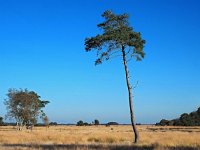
[(62, 137)]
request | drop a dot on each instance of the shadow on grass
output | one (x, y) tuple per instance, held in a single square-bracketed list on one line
[(93, 147)]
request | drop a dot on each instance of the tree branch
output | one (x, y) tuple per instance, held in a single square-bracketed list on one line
[(135, 85), (114, 52)]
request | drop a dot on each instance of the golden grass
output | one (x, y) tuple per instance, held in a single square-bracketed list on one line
[(149, 135)]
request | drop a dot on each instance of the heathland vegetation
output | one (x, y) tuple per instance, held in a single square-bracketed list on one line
[(118, 137)]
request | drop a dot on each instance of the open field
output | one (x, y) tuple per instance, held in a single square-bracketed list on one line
[(100, 137)]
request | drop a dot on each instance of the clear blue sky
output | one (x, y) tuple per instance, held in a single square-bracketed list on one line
[(42, 49)]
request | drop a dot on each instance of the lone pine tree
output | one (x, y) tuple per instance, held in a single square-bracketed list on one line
[(118, 39)]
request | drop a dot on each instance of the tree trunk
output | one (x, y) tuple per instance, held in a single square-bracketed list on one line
[(130, 96)]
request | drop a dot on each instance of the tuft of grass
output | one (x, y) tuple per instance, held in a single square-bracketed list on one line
[(94, 139), (110, 140)]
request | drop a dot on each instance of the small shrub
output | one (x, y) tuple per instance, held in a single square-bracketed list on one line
[(122, 140), (94, 139)]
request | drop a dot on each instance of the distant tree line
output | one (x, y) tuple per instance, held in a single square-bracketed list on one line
[(95, 122), (191, 119), (112, 123), (53, 123), (81, 123)]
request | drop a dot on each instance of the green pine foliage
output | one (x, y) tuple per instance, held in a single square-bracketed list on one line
[(116, 33)]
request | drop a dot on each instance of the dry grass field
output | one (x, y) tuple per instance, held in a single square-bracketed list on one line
[(100, 137)]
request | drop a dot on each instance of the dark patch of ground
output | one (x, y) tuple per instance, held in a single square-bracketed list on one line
[(93, 147)]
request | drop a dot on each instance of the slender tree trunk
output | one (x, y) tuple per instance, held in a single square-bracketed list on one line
[(130, 96), (18, 127)]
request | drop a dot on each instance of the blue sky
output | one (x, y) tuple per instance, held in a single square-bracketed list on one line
[(42, 49)]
